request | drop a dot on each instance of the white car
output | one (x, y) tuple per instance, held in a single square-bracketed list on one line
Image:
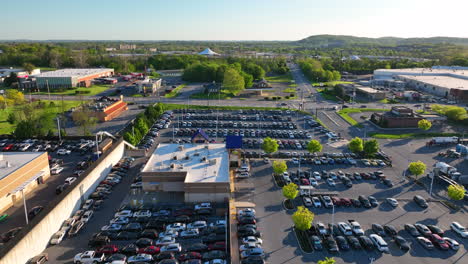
[(459, 229), (142, 213), (140, 258), (70, 180), (331, 182), (247, 246), (317, 203), (63, 152), (203, 206), (176, 227), (197, 225), (57, 237), (295, 161), (124, 213), (313, 182), (307, 201), (67, 224), (88, 204), (356, 227), (345, 229), (316, 175), (219, 223), (121, 220), (322, 228), (189, 233), (169, 233), (86, 216), (174, 247), (246, 212), (165, 240), (252, 239), (112, 227), (56, 170)]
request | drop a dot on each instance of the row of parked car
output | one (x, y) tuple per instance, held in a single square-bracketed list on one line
[(233, 124), (247, 133), (37, 145), (327, 201), (250, 242), (164, 122), (74, 225), (350, 235), (160, 235)]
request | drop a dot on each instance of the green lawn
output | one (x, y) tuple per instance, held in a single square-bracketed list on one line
[(47, 69), (93, 90), (412, 135), (289, 90), (327, 94), (223, 95), (175, 92), (279, 78), (330, 84), (7, 128), (344, 113)]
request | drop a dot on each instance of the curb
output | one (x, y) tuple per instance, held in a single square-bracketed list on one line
[(300, 247)]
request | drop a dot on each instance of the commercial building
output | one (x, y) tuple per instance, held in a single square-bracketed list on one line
[(21, 173), (127, 47), (21, 73), (398, 117), (107, 108), (199, 171), (148, 85), (68, 78), (447, 82)]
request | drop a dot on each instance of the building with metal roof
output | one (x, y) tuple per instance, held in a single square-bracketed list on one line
[(68, 78)]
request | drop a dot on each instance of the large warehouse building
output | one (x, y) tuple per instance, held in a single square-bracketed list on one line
[(448, 82), (68, 78), (21, 172), (200, 171)]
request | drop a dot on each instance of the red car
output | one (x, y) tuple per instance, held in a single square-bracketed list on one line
[(345, 201), (108, 183), (221, 245), (305, 181), (108, 249), (439, 242), (8, 147), (190, 255), (336, 201), (152, 250)]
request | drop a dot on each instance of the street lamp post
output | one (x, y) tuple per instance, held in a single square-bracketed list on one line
[(333, 214), (25, 208)]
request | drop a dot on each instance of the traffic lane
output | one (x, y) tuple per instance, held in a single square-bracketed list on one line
[(279, 242), (70, 246), (42, 194)]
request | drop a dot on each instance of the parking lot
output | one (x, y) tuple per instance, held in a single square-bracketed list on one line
[(72, 160), (281, 246)]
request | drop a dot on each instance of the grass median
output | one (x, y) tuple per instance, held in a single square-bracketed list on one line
[(175, 92), (413, 135), (279, 78), (87, 91)]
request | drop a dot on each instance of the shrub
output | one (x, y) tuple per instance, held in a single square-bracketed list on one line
[(287, 97), (292, 95), (267, 98)]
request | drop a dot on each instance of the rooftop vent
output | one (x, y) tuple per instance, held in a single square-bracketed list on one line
[(174, 158), (181, 147)]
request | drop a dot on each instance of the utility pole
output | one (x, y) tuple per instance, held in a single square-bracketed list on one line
[(58, 127)]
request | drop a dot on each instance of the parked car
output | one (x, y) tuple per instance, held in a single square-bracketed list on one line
[(419, 200), (426, 243), (459, 229)]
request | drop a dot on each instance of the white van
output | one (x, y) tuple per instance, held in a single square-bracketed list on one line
[(379, 242)]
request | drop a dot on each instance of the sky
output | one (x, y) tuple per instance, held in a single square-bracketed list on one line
[(229, 19)]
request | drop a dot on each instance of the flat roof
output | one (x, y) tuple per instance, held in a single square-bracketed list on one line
[(368, 90), (11, 161), (74, 72), (215, 168), (441, 81)]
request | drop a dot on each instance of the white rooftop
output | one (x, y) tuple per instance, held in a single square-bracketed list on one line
[(74, 72), (11, 161), (215, 168), (441, 81)]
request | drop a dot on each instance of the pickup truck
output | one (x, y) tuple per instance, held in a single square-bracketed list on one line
[(88, 257), (356, 227)]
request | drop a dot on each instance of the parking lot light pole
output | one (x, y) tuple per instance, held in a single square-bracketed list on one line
[(333, 214), (25, 208)]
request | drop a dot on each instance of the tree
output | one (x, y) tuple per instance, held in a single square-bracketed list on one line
[(233, 81), (356, 145), (248, 79), (303, 218), (12, 78), (269, 145), (29, 67), (424, 124), (84, 119), (279, 166), (12, 118), (14, 96), (456, 192), (455, 113), (339, 91), (417, 168), (314, 146), (327, 261), (290, 191), (371, 147)]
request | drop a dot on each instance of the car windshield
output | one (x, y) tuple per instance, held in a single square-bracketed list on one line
[(57, 236)]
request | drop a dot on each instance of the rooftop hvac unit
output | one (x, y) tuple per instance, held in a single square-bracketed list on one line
[(187, 157), (172, 165), (207, 146), (212, 161), (181, 147), (196, 154), (203, 159), (174, 158)]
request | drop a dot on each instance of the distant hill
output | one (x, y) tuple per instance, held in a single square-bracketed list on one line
[(342, 41)]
